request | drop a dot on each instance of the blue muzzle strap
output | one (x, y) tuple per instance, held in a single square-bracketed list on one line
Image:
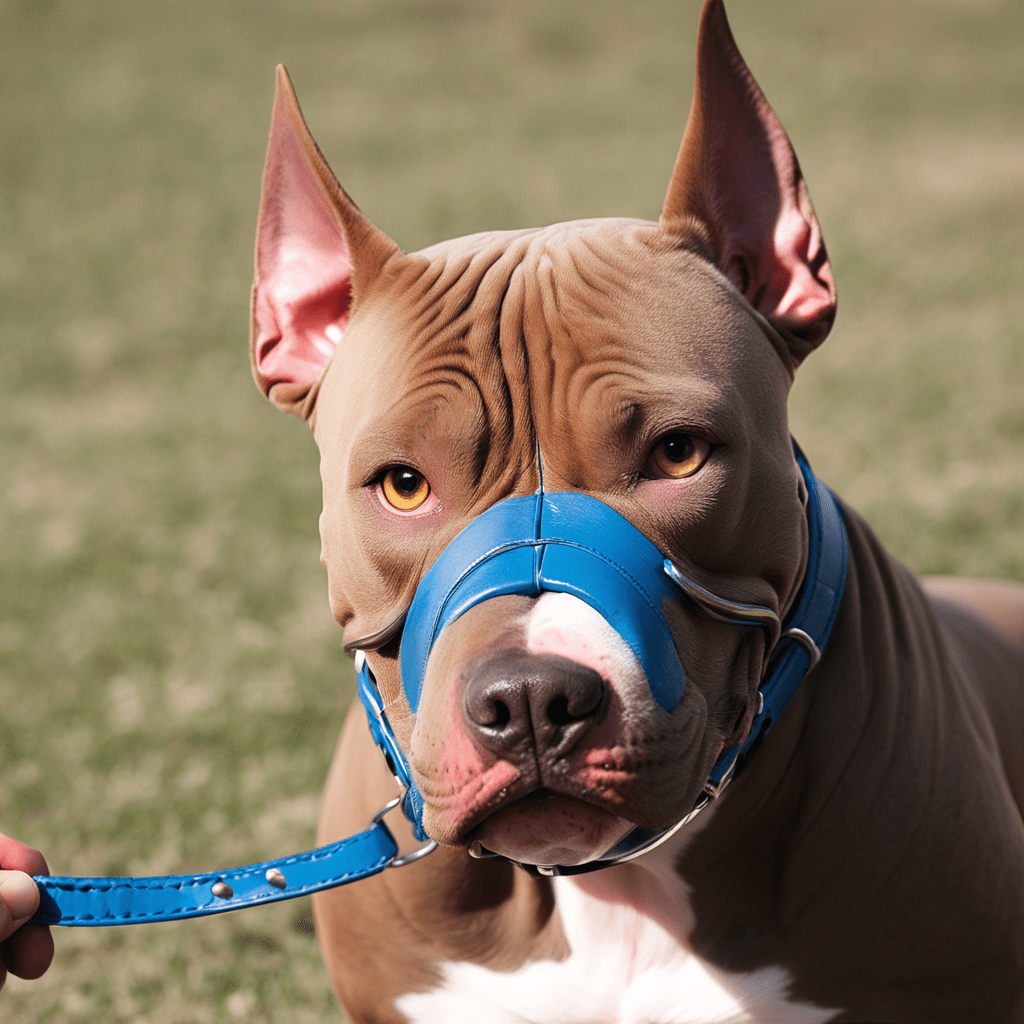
[(564, 543)]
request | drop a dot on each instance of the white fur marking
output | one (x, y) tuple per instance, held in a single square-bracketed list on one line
[(565, 625), (623, 968)]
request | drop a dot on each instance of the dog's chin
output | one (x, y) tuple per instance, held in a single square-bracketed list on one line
[(549, 828)]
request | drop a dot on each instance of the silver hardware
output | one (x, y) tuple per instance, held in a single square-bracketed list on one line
[(801, 637), (414, 856), (738, 614), (724, 610), (709, 793), (401, 862), (275, 878), (223, 891), (378, 818)]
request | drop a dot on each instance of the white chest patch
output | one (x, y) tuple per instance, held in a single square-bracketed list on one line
[(624, 968)]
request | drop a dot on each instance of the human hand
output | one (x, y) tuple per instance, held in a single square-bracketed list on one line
[(24, 951)]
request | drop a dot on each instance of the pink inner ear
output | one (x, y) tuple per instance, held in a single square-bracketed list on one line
[(807, 306), (772, 229), (738, 175), (301, 312), (303, 266)]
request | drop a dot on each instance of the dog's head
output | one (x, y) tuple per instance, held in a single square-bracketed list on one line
[(645, 365)]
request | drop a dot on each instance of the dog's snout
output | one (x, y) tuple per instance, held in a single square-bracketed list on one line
[(543, 699)]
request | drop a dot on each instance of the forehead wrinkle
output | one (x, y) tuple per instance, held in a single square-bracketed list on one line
[(474, 437), (571, 333), (403, 432), (469, 276), (461, 362), (599, 275), (609, 379)]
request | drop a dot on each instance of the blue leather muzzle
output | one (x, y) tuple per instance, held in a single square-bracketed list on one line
[(563, 542), (571, 543), (567, 543)]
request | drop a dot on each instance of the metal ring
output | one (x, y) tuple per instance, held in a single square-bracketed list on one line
[(808, 642), (409, 858), (414, 856)]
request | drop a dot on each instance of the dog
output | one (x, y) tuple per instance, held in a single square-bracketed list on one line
[(619, 388)]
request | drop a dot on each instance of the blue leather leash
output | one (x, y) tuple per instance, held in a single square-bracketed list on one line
[(90, 902), (566, 542)]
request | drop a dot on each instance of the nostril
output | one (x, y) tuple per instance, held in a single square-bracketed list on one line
[(492, 704), (500, 717), (582, 697), (558, 712)]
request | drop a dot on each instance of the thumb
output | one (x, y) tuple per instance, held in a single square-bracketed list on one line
[(19, 900)]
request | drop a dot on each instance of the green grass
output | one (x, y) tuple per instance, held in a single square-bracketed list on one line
[(170, 676)]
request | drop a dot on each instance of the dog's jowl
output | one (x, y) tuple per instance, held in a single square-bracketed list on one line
[(595, 586)]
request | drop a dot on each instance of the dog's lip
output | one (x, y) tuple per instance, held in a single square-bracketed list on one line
[(548, 826), (605, 780), (503, 798), (536, 796), (540, 795)]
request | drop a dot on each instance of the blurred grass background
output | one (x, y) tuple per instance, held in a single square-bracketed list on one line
[(171, 680)]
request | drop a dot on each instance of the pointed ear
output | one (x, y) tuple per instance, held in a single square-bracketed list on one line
[(737, 186), (316, 255)]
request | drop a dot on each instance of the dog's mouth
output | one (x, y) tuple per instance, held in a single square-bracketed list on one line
[(528, 808), (549, 827)]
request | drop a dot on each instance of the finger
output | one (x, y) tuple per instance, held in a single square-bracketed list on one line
[(28, 953), (19, 857), (19, 900)]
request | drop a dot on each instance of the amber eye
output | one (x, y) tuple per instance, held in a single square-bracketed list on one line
[(677, 456), (404, 489)]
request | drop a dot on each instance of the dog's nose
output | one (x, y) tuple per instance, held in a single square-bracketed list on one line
[(545, 700)]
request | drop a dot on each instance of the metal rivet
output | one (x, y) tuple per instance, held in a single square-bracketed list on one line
[(223, 891), (275, 878)]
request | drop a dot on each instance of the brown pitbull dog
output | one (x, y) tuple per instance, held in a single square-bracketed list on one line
[(867, 862)]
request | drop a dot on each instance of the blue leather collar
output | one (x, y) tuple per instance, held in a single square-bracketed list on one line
[(566, 542), (809, 624)]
